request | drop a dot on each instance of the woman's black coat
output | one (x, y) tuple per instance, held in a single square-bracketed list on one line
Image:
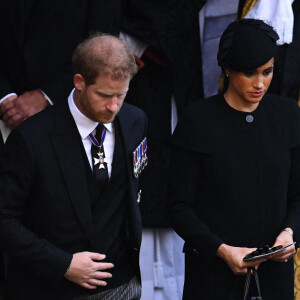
[(235, 182)]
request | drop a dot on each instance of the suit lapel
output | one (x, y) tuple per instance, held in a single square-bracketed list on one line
[(69, 151), (128, 135), (127, 124)]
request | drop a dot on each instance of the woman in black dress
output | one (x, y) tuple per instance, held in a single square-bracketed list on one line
[(235, 175)]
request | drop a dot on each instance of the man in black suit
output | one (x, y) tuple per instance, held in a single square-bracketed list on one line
[(69, 231)]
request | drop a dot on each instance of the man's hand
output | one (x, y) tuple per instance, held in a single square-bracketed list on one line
[(284, 238), (86, 271), (16, 110), (233, 256)]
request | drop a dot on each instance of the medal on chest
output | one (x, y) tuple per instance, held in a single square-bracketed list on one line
[(140, 159)]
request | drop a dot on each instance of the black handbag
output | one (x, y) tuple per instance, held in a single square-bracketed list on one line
[(247, 285)]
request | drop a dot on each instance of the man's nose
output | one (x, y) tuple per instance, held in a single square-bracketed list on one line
[(112, 104)]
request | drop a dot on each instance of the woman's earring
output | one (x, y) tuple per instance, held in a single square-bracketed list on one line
[(227, 75)]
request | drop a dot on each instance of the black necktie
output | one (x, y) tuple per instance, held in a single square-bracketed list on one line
[(98, 158)]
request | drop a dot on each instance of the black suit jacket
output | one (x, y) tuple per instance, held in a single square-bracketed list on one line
[(39, 37), (45, 215)]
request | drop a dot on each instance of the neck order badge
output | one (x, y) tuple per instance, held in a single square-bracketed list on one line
[(98, 154), (101, 158)]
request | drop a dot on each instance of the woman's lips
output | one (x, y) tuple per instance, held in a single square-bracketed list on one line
[(257, 94)]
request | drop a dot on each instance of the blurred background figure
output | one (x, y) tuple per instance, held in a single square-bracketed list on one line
[(39, 38), (165, 39), (213, 19)]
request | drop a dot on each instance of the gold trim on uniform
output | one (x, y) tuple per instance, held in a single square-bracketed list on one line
[(247, 7)]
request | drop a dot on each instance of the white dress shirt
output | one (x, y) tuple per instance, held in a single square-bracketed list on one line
[(85, 126)]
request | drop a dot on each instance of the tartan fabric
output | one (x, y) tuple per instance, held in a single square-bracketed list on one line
[(128, 291)]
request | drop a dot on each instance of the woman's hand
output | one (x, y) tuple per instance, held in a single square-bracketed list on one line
[(284, 238), (233, 256)]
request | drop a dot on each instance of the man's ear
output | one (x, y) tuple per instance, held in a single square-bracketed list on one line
[(79, 82)]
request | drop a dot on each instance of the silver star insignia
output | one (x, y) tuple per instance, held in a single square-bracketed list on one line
[(101, 160)]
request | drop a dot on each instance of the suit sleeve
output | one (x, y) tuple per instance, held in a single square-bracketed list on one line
[(293, 214), (5, 87), (293, 195), (17, 177), (185, 173)]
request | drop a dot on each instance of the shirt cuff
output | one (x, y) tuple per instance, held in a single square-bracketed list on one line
[(7, 96), (46, 97)]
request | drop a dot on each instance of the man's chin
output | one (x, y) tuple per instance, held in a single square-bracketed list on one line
[(104, 120)]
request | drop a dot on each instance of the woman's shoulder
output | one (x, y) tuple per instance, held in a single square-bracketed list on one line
[(202, 106), (199, 124), (281, 104), (285, 113), (202, 111)]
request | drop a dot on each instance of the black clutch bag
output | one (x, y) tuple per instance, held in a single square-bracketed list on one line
[(247, 285), (265, 252)]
